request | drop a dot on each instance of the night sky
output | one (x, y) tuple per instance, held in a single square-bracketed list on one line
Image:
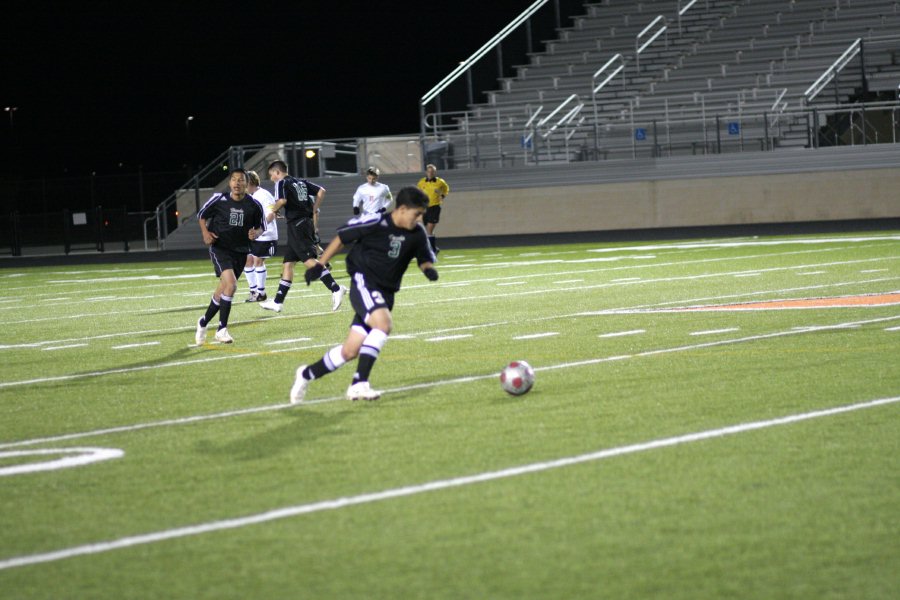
[(106, 86)]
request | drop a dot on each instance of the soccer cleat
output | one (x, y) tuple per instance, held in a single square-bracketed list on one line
[(271, 305), (254, 297), (223, 337), (200, 336), (298, 390), (337, 297), (361, 391), (261, 297)]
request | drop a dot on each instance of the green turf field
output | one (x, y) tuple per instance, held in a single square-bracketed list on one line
[(663, 452)]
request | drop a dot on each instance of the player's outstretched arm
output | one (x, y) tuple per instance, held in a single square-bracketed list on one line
[(429, 271), (315, 271)]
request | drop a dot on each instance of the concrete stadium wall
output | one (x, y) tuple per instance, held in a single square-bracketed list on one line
[(770, 198)]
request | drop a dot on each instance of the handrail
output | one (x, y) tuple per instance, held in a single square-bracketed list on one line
[(466, 64), (638, 47), (597, 88), (829, 74), (684, 9), (556, 110), (565, 120), (599, 71)]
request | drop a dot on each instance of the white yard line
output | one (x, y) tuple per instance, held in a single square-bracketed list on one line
[(535, 336), (622, 333), (715, 331), (447, 338), (66, 347), (279, 342), (141, 345), (287, 512)]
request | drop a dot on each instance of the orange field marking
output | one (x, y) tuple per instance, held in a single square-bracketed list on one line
[(835, 302)]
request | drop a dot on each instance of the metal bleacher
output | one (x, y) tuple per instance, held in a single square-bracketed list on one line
[(682, 74)]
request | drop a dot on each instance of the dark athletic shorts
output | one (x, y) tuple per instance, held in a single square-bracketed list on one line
[(223, 260), (432, 214), (365, 298), (263, 249), (302, 241)]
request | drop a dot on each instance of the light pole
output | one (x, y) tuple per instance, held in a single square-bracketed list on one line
[(12, 111), (187, 137)]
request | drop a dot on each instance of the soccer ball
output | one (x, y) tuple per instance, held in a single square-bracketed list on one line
[(517, 377)]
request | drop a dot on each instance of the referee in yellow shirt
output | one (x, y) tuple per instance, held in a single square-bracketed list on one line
[(436, 189)]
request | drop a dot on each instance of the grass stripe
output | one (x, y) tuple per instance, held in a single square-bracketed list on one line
[(430, 384), (431, 486)]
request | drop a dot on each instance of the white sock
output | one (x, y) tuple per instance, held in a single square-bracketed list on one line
[(251, 279), (261, 274)]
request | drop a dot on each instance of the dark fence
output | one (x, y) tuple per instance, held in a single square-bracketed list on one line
[(98, 229)]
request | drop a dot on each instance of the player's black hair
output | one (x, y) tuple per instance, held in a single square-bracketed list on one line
[(278, 164), (412, 196), (239, 170)]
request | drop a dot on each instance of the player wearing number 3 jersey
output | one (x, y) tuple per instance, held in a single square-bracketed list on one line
[(381, 248)]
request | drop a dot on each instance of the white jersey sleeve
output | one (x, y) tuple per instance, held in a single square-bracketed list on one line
[(267, 200)]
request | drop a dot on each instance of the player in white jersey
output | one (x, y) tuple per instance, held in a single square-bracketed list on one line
[(264, 246), (372, 197)]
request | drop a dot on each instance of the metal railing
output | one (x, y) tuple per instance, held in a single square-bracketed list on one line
[(304, 158), (465, 67), (832, 71), (656, 28), (747, 124)]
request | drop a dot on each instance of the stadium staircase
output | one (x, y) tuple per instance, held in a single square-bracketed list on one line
[(720, 59)]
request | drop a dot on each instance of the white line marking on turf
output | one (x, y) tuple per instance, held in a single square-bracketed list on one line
[(535, 336), (873, 270), (84, 456), (753, 274), (568, 281), (431, 486), (277, 342), (622, 333), (695, 245), (66, 347), (141, 345), (624, 279), (446, 338), (715, 331), (180, 363), (512, 283), (892, 329)]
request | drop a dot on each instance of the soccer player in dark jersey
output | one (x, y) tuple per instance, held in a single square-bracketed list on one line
[(228, 223), (301, 200), (381, 248)]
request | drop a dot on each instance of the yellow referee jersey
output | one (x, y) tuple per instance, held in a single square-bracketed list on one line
[(435, 189)]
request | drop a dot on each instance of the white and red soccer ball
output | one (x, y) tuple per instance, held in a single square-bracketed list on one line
[(517, 377)]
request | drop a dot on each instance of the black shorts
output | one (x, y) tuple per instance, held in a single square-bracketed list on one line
[(263, 249), (366, 298), (223, 260), (432, 214), (302, 241)]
